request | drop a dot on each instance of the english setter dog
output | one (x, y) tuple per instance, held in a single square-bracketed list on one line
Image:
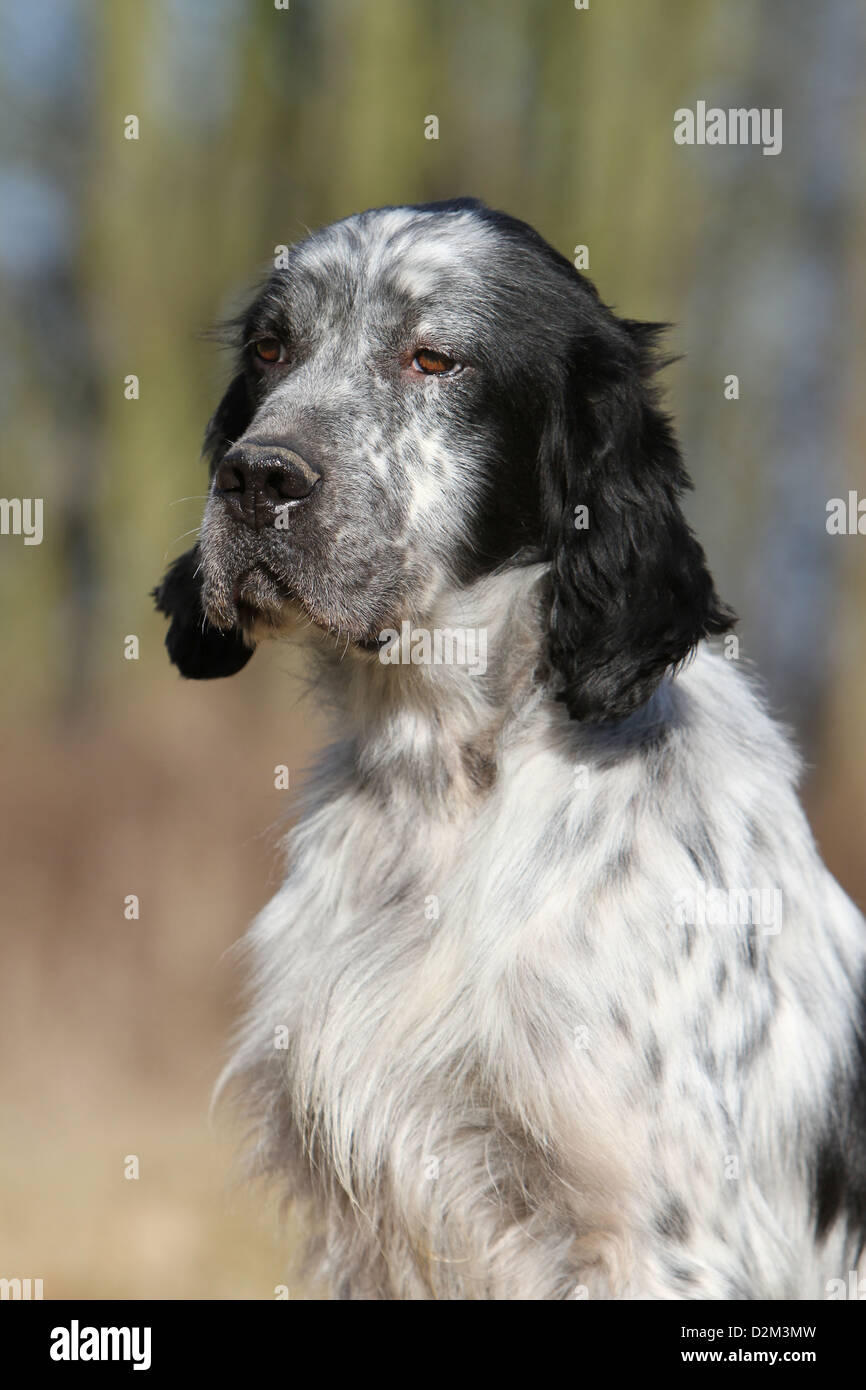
[(557, 998)]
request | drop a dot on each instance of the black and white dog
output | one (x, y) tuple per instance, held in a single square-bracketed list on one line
[(557, 996)]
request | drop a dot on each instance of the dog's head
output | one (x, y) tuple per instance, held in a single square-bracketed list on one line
[(425, 394)]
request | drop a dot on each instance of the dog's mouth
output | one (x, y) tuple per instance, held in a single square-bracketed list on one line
[(251, 595), (258, 588), (255, 596)]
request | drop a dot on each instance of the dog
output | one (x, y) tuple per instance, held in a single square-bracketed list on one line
[(557, 999)]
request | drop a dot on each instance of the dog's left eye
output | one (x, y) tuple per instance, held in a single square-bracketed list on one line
[(270, 350), (435, 363)]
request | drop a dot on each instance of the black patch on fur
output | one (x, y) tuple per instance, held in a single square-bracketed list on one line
[(654, 1060), (618, 868), (198, 649), (748, 947), (753, 1044), (621, 1023), (839, 1176), (707, 1061), (700, 850), (479, 766), (673, 1221)]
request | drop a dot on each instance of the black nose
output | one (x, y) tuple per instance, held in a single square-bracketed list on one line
[(258, 479)]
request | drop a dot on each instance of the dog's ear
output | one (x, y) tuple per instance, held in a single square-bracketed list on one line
[(199, 650), (631, 593)]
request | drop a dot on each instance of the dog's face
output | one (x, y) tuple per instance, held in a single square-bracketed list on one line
[(423, 395), (367, 464)]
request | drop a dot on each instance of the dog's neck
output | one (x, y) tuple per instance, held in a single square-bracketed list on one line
[(430, 709)]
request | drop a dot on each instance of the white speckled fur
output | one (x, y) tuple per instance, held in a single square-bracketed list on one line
[(511, 1100)]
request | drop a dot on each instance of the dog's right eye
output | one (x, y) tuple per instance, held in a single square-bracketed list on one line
[(269, 350), (432, 363)]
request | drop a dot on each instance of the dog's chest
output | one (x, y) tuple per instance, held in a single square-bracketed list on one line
[(423, 958)]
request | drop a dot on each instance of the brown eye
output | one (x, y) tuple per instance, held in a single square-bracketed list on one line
[(269, 350), (434, 363)]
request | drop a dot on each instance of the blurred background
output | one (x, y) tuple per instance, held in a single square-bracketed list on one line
[(256, 123)]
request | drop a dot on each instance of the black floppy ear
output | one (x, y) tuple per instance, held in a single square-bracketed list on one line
[(198, 649), (631, 593)]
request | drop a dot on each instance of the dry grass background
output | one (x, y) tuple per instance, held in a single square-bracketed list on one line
[(116, 1030)]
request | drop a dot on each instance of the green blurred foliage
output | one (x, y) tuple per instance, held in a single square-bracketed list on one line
[(257, 123)]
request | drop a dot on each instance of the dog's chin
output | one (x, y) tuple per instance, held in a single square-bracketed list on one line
[(259, 605), (254, 601)]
